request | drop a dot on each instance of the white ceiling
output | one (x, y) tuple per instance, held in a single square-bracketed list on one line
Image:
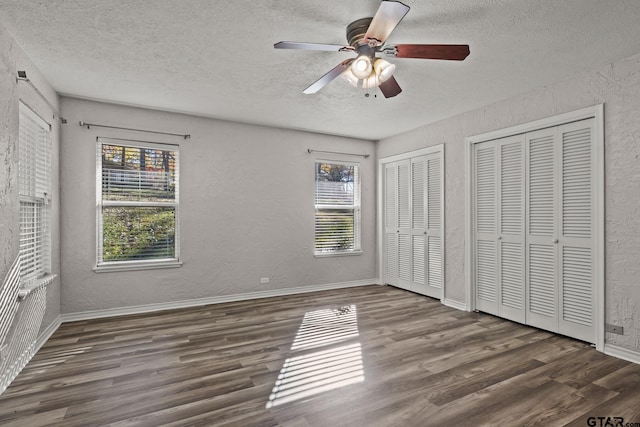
[(216, 59)]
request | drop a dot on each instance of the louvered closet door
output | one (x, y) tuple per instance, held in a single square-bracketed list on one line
[(511, 234), (391, 229), (534, 228), (485, 225), (576, 274), (413, 224), (419, 260), (542, 243), (398, 224), (434, 198), (404, 225), (426, 225), (500, 250)]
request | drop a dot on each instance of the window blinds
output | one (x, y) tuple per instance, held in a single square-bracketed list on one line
[(138, 200), (34, 176), (337, 204)]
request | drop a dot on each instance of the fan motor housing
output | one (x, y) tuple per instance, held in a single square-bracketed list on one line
[(356, 31)]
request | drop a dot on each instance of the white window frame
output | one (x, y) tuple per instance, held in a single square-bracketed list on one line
[(356, 207), (148, 264), (34, 196)]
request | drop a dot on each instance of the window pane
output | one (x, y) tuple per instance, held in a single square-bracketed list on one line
[(34, 177), (334, 230), (33, 241), (335, 184), (138, 233), (337, 202), (138, 174)]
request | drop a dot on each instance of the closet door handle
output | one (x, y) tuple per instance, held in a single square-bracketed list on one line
[(555, 240)]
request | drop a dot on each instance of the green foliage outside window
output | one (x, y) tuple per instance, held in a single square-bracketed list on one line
[(131, 233)]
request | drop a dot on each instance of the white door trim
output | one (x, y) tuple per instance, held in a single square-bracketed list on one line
[(380, 205), (597, 113)]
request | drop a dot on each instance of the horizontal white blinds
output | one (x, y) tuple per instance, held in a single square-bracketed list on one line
[(337, 205), (138, 200), (34, 177), (35, 170)]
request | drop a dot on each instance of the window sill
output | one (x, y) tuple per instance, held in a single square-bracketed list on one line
[(336, 254), (36, 284), (136, 265)]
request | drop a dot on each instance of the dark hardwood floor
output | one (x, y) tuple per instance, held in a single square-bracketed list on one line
[(366, 356)]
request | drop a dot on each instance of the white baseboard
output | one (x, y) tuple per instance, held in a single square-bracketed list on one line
[(146, 308), (622, 353), (46, 334), (455, 304)]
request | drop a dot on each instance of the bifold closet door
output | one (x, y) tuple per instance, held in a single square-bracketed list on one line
[(426, 225), (543, 201), (499, 228), (576, 244), (534, 228), (435, 230), (413, 229), (391, 229), (397, 224), (560, 273)]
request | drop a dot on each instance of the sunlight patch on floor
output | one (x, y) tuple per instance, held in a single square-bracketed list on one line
[(312, 372)]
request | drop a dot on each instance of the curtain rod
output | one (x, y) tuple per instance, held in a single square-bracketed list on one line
[(22, 77), (309, 150), (88, 125)]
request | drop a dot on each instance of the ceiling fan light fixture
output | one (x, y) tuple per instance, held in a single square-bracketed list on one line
[(349, 77), (371, 82), (362, 67), (383, 69)]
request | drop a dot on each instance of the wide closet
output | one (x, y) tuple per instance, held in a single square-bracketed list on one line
[(534, 228), (413, 221)]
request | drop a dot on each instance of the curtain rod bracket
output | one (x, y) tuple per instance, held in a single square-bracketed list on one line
[(88, 125), (22, 77), (309, 150)]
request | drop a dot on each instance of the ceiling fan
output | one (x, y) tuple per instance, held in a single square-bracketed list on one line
[(366, 37)]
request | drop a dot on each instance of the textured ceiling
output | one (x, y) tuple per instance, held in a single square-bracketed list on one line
[(216, 59)]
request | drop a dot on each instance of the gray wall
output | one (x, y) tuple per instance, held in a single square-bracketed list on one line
[(12, 59), (246, 210), (618, 87)]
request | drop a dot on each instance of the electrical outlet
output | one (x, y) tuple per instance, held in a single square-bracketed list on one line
[(264, 280), (615, 329)]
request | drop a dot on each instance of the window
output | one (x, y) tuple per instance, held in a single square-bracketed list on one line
[(137, 196), (34, 176), (337, 206)]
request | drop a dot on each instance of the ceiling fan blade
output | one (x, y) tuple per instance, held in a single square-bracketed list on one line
[(390, 88), (313, 46), (327, 78), (388, 16), (454, 52)]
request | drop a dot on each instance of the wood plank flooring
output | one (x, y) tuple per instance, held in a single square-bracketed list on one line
[(366, 356)]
